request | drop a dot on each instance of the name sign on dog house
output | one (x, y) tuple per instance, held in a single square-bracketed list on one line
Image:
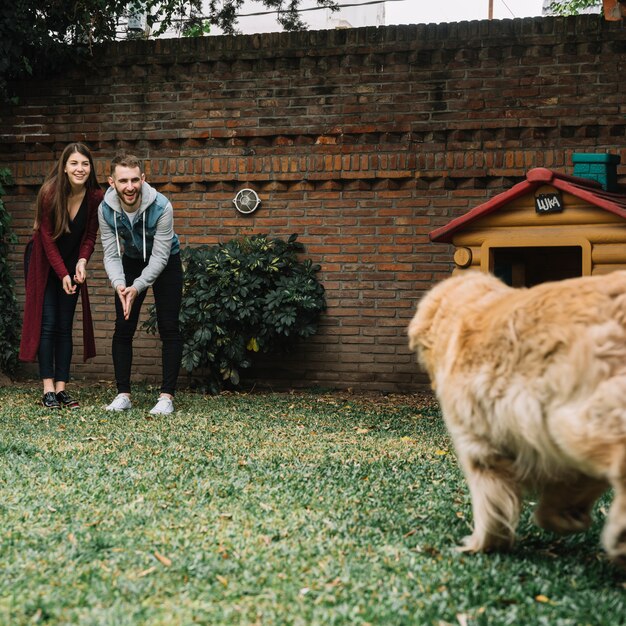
[(548, 203)]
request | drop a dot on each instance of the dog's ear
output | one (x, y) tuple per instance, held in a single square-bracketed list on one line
[(452, 295), (419, 330)]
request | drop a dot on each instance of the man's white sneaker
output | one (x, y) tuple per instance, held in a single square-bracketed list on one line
[(120, 403), (163, 407)]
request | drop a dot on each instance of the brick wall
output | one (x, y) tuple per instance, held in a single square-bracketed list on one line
[(361, 141)]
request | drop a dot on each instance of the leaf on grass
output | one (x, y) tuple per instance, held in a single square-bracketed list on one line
[(161, 558), (222, 579), (549, 554), (440, 452), (542, 598), (431, 550), (146, 572)]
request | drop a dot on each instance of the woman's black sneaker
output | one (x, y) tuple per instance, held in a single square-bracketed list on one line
[(65, 400), (50, 401)]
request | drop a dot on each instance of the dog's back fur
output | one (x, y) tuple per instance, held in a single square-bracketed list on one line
[(532, 385)]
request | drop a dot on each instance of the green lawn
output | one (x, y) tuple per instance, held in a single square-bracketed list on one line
[(265, 509)]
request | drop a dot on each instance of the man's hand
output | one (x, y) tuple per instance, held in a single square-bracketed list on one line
[(127, 296)]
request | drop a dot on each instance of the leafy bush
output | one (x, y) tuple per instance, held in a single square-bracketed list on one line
[(9, 314), (245, 296)]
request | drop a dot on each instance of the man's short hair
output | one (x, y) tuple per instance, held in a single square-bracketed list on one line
[(126, 160)]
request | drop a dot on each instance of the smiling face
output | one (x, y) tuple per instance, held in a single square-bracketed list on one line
[(127, 182), (77, 169)]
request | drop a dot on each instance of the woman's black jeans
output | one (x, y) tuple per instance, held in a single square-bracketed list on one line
[(55, 342), (167, 290)]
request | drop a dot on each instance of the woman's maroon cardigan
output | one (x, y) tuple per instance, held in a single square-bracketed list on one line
[(45, 255)]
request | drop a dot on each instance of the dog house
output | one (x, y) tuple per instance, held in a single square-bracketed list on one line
[(550, 226)]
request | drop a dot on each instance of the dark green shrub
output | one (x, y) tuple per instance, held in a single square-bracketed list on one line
[(9, 314), (245, 296)]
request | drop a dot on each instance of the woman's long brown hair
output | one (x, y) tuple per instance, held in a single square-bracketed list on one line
[(54, 192)]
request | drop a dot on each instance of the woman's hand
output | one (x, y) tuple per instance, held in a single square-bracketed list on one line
[(68, 287), (81, 272)]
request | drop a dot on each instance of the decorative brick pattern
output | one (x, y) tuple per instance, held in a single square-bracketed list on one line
[(362, 141)]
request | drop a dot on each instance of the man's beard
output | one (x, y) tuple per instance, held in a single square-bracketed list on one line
[(135, 204)]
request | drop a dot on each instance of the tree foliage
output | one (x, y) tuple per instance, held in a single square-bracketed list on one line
[(573, 7), (39, 35), (223, 13)]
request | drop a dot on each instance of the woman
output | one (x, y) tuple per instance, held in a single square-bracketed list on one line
[(64, 236)]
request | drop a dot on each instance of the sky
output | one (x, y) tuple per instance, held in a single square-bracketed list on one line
[(426, 11), (255, 17)]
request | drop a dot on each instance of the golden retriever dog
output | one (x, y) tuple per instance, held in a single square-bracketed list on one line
[(532, 387)]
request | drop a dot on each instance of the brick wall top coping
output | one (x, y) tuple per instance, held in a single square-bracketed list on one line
[(477, 33)]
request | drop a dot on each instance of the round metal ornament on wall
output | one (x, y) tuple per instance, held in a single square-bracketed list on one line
[(246, 201)]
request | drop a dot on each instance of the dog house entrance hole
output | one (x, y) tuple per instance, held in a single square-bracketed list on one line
[(525, 267)]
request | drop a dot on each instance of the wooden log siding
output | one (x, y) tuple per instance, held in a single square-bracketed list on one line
[(543, 235), (608, 253)]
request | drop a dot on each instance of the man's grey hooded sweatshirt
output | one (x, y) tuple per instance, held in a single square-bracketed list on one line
[(150, 237)]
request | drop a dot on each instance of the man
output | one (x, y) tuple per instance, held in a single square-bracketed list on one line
[(141, 250)]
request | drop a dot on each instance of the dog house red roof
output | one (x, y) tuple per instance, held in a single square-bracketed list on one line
[(583, 188)]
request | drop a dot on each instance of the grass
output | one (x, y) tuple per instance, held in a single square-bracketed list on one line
[(298, 509)]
